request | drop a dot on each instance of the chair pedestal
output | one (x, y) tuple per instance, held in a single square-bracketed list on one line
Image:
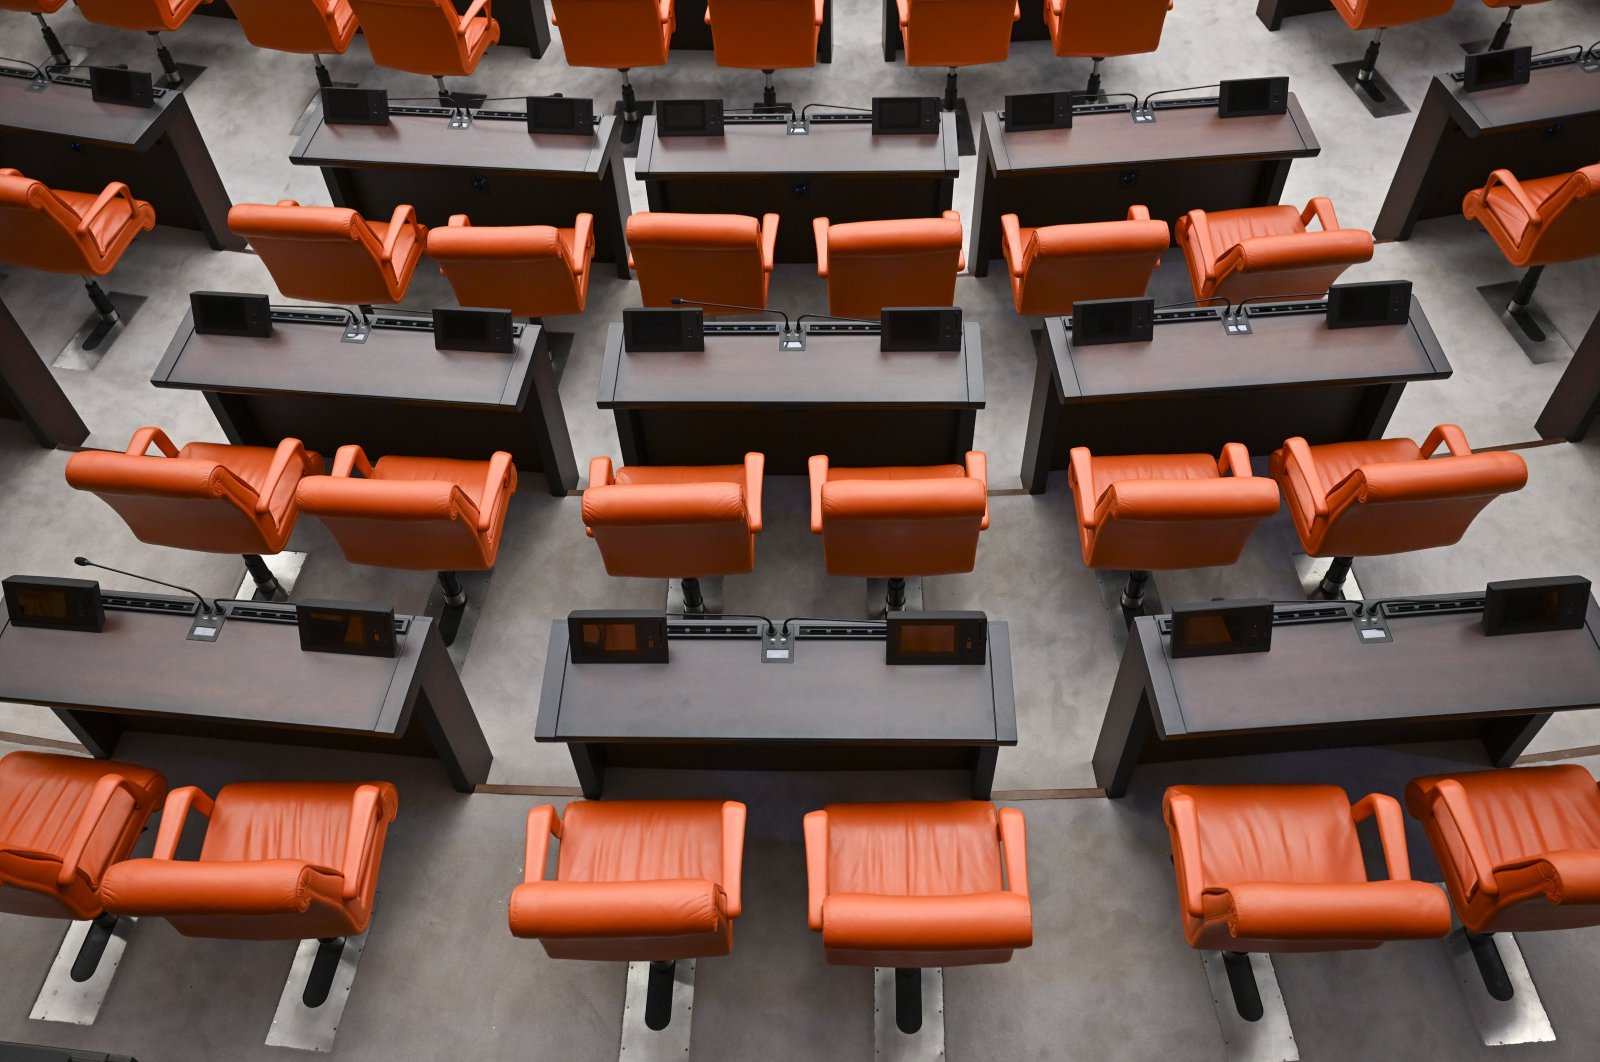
[(908, 1014), (58, 54), (1267, 1037), (657, 1011), (1370, 88), (1316, 573), (1519, 1019), (93, 949), (314, 997)]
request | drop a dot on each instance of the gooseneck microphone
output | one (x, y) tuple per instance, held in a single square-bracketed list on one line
[(791, 338), (206, 609)]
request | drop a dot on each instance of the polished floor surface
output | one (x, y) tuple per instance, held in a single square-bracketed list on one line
[(1109, 976)]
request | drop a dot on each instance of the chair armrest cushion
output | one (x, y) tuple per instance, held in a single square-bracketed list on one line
[(1302, 249), (1234, 498), (1570, 876), (1372, 910), (577, 909), (167, 887), (1476, 475), (978, 921)]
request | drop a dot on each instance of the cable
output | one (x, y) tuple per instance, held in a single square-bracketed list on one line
[(1227, 306), (718, 616), (1298, 295), (1557, 51), (297, 307), (776, 108), (832, 317), (1081, 95), (37, 71), (835, 106), (1168, 92)]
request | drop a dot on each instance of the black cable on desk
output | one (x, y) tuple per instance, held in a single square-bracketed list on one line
[(1168, 92), (835, 106)]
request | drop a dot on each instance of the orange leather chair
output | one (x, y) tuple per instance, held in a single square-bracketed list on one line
[(39, 9), (415, 513), (1379, 15), (918, 885), (1367, 499), (671, 522), (952, 33), (1520, 852), (615, 35), (280, 861), (1265, 252), (1149, 512), (1503, 31), (308, 27), (149, 16), (70, 232), (1098, 29), (1053, 267), (333, 254), (210, 497), (531, 270), (1278, 868), (890, 523), (720, 257), (63, 821), (765, 35), (873, 264), (1538, 222), (428, 36)]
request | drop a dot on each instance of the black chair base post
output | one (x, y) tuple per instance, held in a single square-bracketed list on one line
[(102, 301), (1093, 87), (1521, 298), (1369, 67), (323, 967), (455, 604), (630, 102), (93, 947), (1490, 965), (324, 79), (908, 1000), (769, 91), (174, 77), (658, 995), (58, 54), (950, 90), (693, 599), (1242, 983), (1332, 585), (895, 596), (444, 93), (1504, 32), (267, 585), (1133, 593)]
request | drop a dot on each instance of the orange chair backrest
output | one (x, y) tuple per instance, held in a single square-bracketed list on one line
[(320, 254), (903, 527), (873, 264), (698, 256), (142, 15), (32, 7), (958, 32), (421, 525), (1157, 524), (614, 34), (38, 231), (182, 502), (416, 35), (764, 34), (670, 530), (1381, 14), (293, 25), (1399, 506), (1103, 260), (522, 268), (1568, 225), (1096, 29)]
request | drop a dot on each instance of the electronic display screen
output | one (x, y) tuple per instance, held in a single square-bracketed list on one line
[(1112, 321), (560, 115), (41, 604), (109, 84), (600, 637), (663, 330), (1219, 628), (689, 117), (1487, 70), (218, 313), (936, 638), (488, 331), (901, 113), (1253, 97), (1037, 108), (355, 106), (337, 627)]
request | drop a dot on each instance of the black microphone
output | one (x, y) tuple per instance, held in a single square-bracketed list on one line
[(205, 609), (791, 338)]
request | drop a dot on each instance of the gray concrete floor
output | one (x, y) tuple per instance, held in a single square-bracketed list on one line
[(1109, 976)]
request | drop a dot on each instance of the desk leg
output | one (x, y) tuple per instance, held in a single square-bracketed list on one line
[(1274, 175), (1269, 14), (947, 193), (233, 415), (98, 731), (983, 762), (341, 189), (825, 37), (655, 195), (1576, 399), (446, 714), (966, 430), (31, 390), (555, 442), (891, 30), (1398, 215), (1044, 417), (538, 29), (1128, 724), (1506, 739), (613, 219), (201, 182), (589, 761), (628, 438), (986, 212), (1377, 406)]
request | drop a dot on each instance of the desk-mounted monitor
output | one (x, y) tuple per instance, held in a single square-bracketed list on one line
[(602, 637), (904, 115), (1038, 110), (343, 627), (561, 115), (1253, 97), (231, 313), (1501, 69), (119, 85), (1525, 606), (669, 331), (908, 328), (54, 604), (936, 638), (688, 117), (1113, 321), (1377, 302), (1221, 628), (355, 106), (486, 331)]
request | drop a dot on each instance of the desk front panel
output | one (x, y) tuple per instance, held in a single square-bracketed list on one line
[(70, 112)]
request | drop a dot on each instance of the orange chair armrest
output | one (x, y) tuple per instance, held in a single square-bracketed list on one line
[(105, 787), (1321, 208), (816, 830), (1514, 186), (460, 221), (1138, 212), (1014, 846), (403, 215), (500, 481), (816, 19), (111, 191), (290, 451), (733, 816), (583, 240), (769, 241), (543, 824), (144, 437), (472, 12), (1200, 239), (755, 465), (1016, 12), (1297, 456), (351, 458), (1235, 460), (979, 921), (817, 468), (961, 254), (978, 469), (1057, 7), (1186, 854), (1451, 437), (819, 228), (1449, 792), (179, 803), (584, 910), (1391, 831), (664, 10), (1081, 465), (1011, 242), (364, 818), (904, 7)]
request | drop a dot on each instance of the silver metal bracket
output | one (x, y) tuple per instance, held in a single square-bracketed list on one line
[(313, 1028), (1271, 1038), (1236, 324), (892, 1045), (799, 126), (1144, 114), (639, 1041), (778, 647), (356, 331), (78, 1002)]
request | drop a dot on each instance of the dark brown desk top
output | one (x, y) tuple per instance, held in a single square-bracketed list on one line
[(1552, 92), (749, 369), (1179, 134), (309, 359), (1284, 350), (70, 111), (834, 690), (428, 140), (1321, 674), (765, 147), (254, 672)]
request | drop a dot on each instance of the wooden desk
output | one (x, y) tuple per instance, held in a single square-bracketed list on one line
[(29, 391), (839, 171), (62, 137), (1030, 26), (1187, 159), (1576, 400), (840, 396), (253, 684), (496, 172), (837, 706), (393, 394), (692, 33), (1193, 388), (1273, 12), (1550, 125), (1320, 687), (522, 22)]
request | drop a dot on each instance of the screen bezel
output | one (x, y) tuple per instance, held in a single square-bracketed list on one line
[(496, 333), (1135, 317), (255, 314), (139, 85), (1272, 88), (88, 616), (375, 110), (974, 624), (1520, 58), (648, 625), (896, 333), (1242, 613), (372, 620), (927, 116), (689, 336), (710, 123), (1060, 105), (579, 109), (1342, 304)]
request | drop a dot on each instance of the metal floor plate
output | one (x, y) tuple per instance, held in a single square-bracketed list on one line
[(640, 1043), (313, 1029), (1387, 106), (476, 585), (1310, 570), (78, 1003), (285, 567), (888, 1042), (1520, 1019), (1553, 347), (1269, 1040), (75, 356)]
